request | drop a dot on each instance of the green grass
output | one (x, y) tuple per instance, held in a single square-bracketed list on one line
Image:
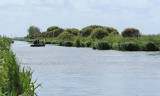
[(116, 41), (13, 80)]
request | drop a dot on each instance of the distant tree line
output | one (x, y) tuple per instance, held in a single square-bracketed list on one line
[(94, 31)]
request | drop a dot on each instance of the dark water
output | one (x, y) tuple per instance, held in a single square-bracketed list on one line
[(69, 71)]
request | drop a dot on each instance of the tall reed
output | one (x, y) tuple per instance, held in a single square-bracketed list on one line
[(13, 80)]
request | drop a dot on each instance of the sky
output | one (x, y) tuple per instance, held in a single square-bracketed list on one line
[(17, 15)]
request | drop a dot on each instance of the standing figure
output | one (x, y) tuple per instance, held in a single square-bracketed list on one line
[(35, 42)]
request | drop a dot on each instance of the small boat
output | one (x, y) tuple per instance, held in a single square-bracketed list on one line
[(38, 45)]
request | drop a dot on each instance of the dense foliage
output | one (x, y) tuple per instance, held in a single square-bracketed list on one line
[(66, 35), (96, 35), (99, 33), (102, 45), (131, 32), (73, 31), (33, 32), (13, 80)]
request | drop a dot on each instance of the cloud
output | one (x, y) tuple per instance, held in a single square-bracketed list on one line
[(142, 14)]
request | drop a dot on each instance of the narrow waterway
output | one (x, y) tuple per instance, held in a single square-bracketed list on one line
[(70, 71)]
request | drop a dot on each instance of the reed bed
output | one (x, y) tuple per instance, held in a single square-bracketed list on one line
[(14, 80)]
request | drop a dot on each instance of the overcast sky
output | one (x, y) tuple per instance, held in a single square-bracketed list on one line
[(17, 15)]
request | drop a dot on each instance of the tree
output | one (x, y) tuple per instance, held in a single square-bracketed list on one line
[(33, 31), (111, 30), (74, 31), (54, 31), (99, 33), (131, 32), (66, 35), (86, 31)]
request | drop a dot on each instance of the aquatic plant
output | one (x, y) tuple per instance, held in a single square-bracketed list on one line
[(150, 46), (13, 80), (68, 43), (102, 45), (130, 46)]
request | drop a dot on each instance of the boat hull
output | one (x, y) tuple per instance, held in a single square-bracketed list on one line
[(37, 45)]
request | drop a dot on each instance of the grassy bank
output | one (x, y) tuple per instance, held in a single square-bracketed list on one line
[(97, 37), (115, 42), (13, 80)]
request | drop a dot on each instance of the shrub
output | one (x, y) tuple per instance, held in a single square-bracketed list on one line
[(49, 34), (53, 42), (73, 31), (48, 42), (130, 46), (116, 46), (111, 30), (131, 32), (88, 30), (149, 46), (82, 44), (99, 33), (52, 28), (88, 44), (68, 43), (102, 45), (60, 43), (77, 43), (66, 35), (53, 31)]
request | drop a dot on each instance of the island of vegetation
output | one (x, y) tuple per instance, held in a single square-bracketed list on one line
[(97, 37), (14, 80)]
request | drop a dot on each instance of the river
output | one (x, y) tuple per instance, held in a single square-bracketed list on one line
[(70, 71)]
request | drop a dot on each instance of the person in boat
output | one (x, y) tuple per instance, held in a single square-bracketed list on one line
[(35, 42), (38, 42)]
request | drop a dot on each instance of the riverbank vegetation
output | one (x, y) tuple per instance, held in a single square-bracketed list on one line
[(97, 37), (14, 80)]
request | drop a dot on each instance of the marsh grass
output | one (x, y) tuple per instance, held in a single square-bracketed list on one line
[(13, 80), (116, 42)]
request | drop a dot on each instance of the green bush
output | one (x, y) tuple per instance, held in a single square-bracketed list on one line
[(116, 46), (48, 42), (102, 45), (73, 31), (111, 30), (86, 31), (66, 36), (99, 33), (49, 34), (52, 28), (53, 42), (149, 46), (57, 32), (130, 46), (77, 43), (68, 43), (53, 31), (88, 44), (60, 43), (131, 32), (82, 44)]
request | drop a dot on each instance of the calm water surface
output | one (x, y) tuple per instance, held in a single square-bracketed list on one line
[(69, 71)]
